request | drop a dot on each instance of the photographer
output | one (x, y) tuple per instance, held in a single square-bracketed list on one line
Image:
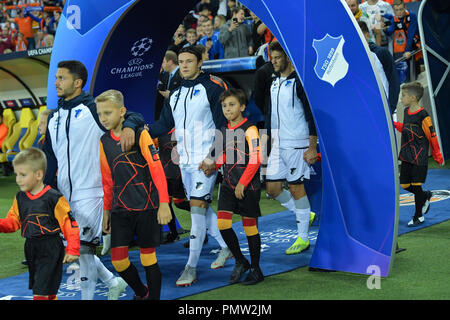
[(236, 37), (178, 40)]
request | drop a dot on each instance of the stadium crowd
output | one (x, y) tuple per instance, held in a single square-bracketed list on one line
[(28, 24)]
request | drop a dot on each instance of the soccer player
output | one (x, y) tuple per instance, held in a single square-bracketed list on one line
[(71, 146), (294, 144), (417, 134), (135, 201), (241, 187), (194, 111), (42, 213)]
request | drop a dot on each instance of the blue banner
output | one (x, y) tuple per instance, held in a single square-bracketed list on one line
[(123, 44)]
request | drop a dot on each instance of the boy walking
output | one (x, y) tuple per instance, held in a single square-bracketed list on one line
[(42, 213), (135, 199), (238, 152), (417, 134)]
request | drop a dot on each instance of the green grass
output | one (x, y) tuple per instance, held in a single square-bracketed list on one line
[(420, 272)]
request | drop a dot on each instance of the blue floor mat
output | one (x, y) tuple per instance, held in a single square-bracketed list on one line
[(277, 231)]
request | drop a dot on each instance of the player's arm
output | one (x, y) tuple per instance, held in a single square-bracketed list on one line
[(69, 227), (107, 184), (310, 155), (165, 122), (52, 162), (428, 129), (252, 137), (12, 221), (150, 153)]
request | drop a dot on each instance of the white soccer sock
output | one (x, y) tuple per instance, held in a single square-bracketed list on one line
[(88, 276), (286, 200), (212, 228), (198, 232), (104, 274), (302, 216)]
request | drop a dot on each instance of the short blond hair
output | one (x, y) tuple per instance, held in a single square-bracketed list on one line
[(33, 157), (114, 96), (413, 89)]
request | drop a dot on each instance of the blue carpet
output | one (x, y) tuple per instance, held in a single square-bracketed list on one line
[(277, 233)]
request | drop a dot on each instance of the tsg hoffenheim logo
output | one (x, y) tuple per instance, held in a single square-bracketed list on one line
[(331, 65), (141, 46)]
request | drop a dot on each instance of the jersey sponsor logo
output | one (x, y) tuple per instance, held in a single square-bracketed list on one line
[(407, 199), (331, 65)]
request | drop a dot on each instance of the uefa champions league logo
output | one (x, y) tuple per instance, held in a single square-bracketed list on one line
[(135, 68), (141, 47)]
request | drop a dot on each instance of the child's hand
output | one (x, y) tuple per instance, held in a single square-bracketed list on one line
[(106, 223), (68, 258), (164, 215), (208, 166), (239, 191), (438, 158)]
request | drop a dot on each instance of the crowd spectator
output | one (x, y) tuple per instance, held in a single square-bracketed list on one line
[(24, 22), (21, 44), (363, 16), (211, 41), (376, 9), (219, 21), (40, 42), (236, 37), (191, 38), (179, 39), (6, 42), (404, 29)]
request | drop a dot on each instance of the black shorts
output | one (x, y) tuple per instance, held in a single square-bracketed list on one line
[(247, 207), (144, 224), (411, 173), (176, 188), (45, 263)]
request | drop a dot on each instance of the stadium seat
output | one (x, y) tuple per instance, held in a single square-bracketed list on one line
[(33, 135), (9, 118), (19, 131)]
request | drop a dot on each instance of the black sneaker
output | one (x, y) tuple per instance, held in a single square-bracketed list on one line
[(426, 205), (186, 244), (254, 276), (238, 271), (414, 222), (171, 237), (146, 297)]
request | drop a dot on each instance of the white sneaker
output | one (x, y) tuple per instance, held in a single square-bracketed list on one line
[(224, 254), (188, 277), (415, 222), (114, 292), (106, 244)]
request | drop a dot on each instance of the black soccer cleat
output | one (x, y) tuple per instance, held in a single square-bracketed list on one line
[(238, 271), (254, 276)]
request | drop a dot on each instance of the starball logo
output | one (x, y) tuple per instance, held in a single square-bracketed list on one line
[(136, 67)]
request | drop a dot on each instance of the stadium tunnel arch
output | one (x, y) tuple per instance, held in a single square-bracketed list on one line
[(123, 45)]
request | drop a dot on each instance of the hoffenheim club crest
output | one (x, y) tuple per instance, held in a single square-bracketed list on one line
[(331, 65)]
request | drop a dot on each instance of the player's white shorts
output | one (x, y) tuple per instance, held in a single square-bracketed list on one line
[(88, 214), (196, 184), (287, 164)]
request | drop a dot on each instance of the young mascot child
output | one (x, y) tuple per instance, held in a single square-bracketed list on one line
[(417, 134), (42, 213), (135, 197), (237, 149)]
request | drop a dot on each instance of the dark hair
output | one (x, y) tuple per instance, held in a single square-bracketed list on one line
[(239, 94), (76, 69), (276, 46), (192, 50), (363, 26)]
